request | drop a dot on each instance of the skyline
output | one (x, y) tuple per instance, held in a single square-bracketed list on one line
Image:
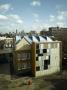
[(32, 14)]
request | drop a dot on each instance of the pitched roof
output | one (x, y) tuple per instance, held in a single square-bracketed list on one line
[(37, 38), (18, 38), (29, 39)]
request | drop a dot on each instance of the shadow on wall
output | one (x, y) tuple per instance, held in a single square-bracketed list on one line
[(5, 68)]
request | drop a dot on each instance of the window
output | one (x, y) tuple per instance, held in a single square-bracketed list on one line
[(54, 45), (36, 58), (37, 46), (44, 50), (24, 56), (37, 68)]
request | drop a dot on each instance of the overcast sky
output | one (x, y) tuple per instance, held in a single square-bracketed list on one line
[(32, 14)]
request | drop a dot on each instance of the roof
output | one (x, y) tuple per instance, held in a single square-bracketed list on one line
[(37, 38), (5, 38), (2, 38), (18, 38)]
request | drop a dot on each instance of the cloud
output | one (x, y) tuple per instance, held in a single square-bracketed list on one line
[(61, 13), (64, 13), (44, 26), (12, 18), (5, 7), (35, 15), (10, 22), (52, 18), (19, 21), (60, 24), (35, 3), (16, 18), (3, 17), (59, 7), (60, 17), (39, 26), (36, 20)]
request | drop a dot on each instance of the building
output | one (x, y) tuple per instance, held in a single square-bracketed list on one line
[(32, 32), (6, 55), (44, 32), (6, 45), (38, 55), (61, 35)]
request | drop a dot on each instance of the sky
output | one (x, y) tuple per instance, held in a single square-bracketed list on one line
[(30, 15)]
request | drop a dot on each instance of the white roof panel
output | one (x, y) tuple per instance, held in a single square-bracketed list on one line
[(28, 39), (34, 39), (42, 39), (49, 39), (37, 39), (18, 38)]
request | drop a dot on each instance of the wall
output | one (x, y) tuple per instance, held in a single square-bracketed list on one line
[(52, 58), (23, 45)]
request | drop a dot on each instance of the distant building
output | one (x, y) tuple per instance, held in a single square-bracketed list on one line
[(60, 34), (32, 33), (6, 45), (46, 33)]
